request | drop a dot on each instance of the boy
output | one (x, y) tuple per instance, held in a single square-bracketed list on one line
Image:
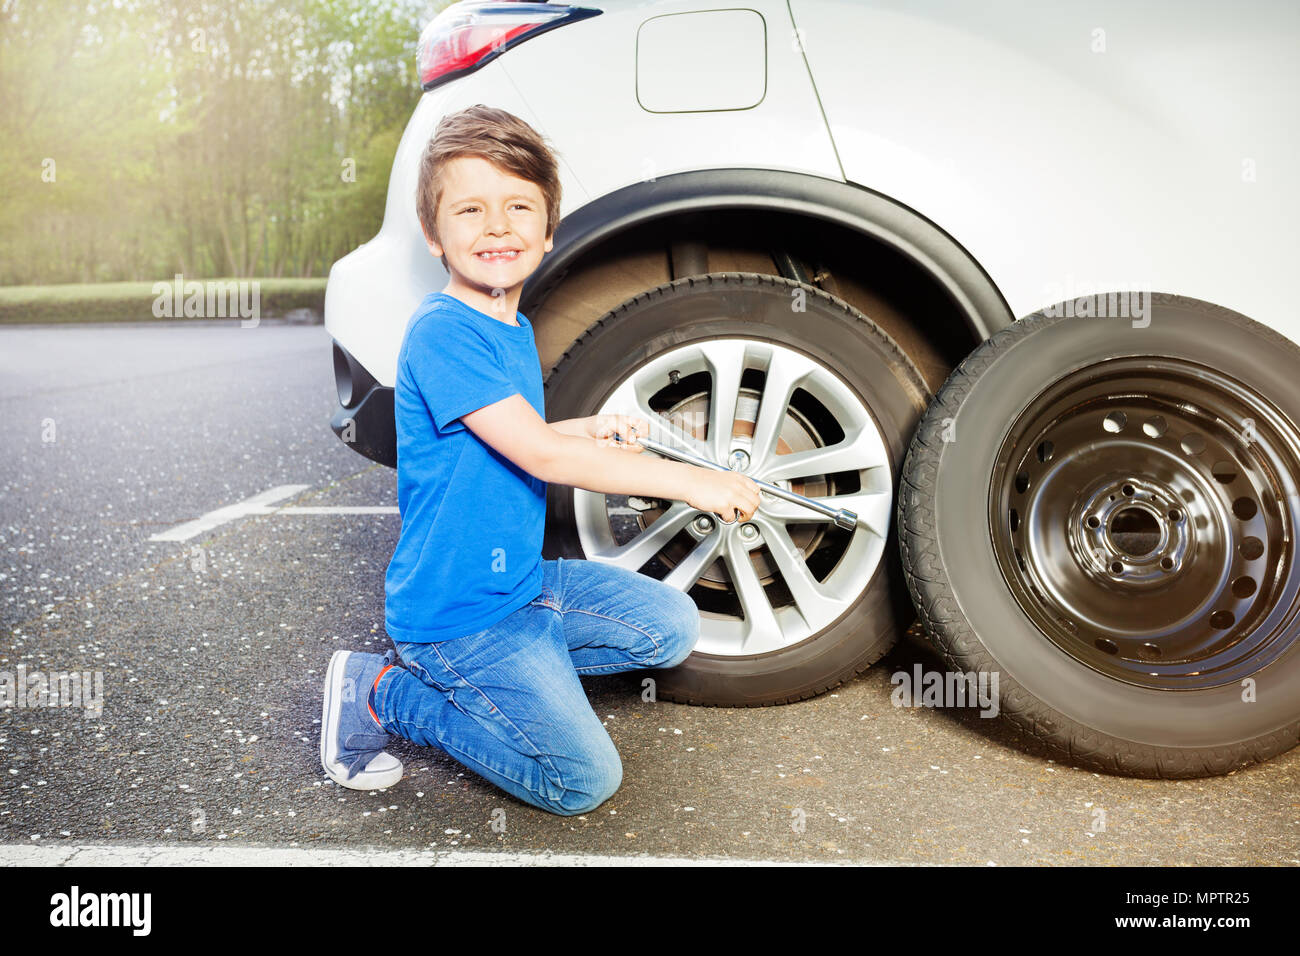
[(492, 637)]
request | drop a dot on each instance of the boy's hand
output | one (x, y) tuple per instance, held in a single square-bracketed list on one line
[(603, 428), (728, 494)]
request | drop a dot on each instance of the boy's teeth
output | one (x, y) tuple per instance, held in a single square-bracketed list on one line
[(497, 255)]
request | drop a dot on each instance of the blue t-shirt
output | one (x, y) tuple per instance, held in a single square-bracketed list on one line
[(470, 550)]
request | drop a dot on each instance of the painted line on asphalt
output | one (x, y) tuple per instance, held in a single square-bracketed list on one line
[(336, 510), (172, 855), (264, 504)]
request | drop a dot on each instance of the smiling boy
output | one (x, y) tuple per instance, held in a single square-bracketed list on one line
[(493, 639)]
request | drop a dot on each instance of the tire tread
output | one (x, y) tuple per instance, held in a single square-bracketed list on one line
[(960, 647)]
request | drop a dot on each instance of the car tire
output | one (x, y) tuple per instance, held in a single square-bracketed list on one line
[(1103, 511), (673, 344)]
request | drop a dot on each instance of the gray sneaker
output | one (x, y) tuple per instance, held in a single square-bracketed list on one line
[(352, 742)]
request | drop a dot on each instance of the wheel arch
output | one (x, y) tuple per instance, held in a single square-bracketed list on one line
[(689, 197)]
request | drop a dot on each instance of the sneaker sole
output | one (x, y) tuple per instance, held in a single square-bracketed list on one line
[(333, 697)]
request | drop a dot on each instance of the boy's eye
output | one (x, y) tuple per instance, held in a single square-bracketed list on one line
[(515, 205)]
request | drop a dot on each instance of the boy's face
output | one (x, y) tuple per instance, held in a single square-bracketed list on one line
[(482, 208)]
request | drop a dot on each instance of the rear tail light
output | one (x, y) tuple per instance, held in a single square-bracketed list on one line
[(466, 36)]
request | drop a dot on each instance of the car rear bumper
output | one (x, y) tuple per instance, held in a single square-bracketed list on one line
[(364, 419)]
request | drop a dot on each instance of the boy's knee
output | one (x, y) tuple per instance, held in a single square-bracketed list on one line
[(575, 802), (685, 632), (599, 780)]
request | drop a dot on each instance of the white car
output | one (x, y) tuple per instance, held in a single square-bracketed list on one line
[(785, 224)]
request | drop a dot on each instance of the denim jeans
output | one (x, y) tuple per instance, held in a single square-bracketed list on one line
[(506, 702)]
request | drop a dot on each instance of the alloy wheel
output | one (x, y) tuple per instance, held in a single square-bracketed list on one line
[(776, 415)]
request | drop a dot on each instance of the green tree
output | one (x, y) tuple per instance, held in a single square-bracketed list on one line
[(195, 136)]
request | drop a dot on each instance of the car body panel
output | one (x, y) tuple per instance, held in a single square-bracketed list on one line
[(1079, 147)]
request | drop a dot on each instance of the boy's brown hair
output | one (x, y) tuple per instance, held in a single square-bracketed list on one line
[(501, 138)]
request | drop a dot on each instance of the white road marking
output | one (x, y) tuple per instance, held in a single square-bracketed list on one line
[(264, 504), (336, 510), (172, 855)]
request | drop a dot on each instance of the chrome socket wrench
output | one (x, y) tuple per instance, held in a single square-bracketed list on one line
[(845, 519)]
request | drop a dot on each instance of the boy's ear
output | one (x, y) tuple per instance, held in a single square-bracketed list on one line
[(434, 248)]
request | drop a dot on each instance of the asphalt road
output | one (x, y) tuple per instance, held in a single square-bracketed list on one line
[(213, 651)]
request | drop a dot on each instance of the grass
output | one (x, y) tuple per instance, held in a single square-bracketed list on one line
[(134, 301)]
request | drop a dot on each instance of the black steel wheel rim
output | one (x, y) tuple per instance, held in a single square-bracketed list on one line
[(1143, 513)]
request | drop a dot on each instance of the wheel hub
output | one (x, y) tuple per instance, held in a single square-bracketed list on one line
[(1132, 530), (1140, 514), (796, 435)]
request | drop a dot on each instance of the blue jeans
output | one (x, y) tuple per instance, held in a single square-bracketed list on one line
[(506, 702)]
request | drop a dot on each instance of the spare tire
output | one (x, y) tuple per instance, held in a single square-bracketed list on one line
[(788, 384), (1104, 512)]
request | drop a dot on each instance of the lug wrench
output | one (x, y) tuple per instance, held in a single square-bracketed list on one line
[(847, 520)]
